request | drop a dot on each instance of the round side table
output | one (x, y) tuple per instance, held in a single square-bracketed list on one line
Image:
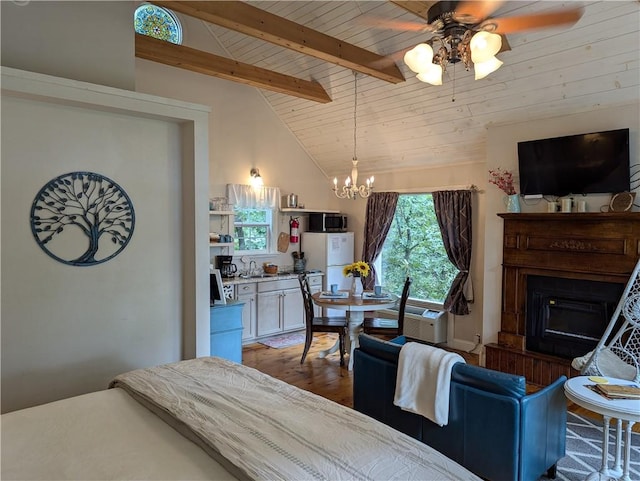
[(623, 410)]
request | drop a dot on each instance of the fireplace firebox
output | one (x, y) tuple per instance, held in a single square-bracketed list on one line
[(567, 317)]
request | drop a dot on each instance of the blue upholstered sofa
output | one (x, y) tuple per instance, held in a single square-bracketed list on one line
[(495, 430)]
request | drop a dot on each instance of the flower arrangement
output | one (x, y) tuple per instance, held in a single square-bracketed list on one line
[(357, 269), (503, 179)]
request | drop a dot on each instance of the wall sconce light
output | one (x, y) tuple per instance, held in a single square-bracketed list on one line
[(256, 179)]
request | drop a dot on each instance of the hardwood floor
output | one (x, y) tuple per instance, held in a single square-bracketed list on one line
[(326, 377)]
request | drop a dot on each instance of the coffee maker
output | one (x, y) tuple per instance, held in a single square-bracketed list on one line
[(227, 268)]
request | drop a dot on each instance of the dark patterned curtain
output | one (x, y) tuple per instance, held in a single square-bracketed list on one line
[(453, 211), (381, 207)]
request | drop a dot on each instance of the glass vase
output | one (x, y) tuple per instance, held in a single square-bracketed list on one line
[(512, 202), (356, 286)]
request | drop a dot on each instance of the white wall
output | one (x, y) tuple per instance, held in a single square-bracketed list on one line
[(67, 329), (88, 41), (244, 133), (502, 152)]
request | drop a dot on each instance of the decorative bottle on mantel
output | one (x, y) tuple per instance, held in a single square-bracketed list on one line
[(356, 286), (512, 202), (503, 179)]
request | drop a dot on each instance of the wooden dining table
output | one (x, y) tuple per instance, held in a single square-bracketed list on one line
[(355, 306)]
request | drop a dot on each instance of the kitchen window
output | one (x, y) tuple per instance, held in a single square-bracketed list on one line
[(252, 231), (255, 212), (414, 248)]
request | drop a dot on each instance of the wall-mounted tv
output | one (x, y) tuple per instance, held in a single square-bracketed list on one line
[(593, 163)]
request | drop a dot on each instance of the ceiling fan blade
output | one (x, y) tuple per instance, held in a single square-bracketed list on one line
[(391, 59), (387, 24), (475, 11), (530, 22)]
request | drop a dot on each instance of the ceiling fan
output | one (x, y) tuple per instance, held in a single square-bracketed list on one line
[(463, 31)]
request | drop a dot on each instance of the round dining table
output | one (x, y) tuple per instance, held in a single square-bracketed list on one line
[(356, 306)]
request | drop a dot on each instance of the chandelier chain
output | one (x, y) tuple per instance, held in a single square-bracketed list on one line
[(355, 117), (351, 189)]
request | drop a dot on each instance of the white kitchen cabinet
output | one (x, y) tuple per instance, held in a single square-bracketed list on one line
[(248, 293), (280, 307), (269, 317), (292, 310)]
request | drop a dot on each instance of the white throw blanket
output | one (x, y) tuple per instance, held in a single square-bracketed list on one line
[(424, 379)]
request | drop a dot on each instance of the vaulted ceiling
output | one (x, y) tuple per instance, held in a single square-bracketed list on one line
[(410, 124)]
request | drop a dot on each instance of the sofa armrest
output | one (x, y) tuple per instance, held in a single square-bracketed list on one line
[(543, 423)]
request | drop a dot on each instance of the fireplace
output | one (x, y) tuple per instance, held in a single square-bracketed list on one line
[(567, 317), (562, 277)]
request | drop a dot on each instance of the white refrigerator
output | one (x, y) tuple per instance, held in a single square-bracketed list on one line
[(329, 252)]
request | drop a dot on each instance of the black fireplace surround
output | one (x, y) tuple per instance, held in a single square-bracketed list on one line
[(567, 317)]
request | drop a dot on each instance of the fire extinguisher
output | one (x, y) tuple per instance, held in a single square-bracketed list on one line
[(293, 230)]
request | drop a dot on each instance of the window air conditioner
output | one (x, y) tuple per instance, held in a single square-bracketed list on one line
[(427, 325)]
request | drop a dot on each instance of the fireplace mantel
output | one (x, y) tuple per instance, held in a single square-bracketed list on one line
[(591, 246)]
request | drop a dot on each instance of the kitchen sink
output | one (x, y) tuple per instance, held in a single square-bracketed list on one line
[(264, 276)]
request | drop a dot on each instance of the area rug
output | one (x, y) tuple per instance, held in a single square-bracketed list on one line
[(584, 450), (286, 340)]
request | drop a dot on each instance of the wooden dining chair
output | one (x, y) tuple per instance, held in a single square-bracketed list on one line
[(319, 324), (394, 327)]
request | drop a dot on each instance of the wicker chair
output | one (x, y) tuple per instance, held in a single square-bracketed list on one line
[(618, 355)]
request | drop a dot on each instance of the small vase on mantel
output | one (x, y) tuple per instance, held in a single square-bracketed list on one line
[(513, 203), (356, 287)]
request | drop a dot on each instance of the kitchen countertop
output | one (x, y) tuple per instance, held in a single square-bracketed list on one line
[(265, 278)]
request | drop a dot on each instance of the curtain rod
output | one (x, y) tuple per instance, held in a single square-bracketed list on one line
[(429, 190)]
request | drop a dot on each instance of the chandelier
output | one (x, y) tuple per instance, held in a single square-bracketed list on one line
[(473, 45), (351, 189)]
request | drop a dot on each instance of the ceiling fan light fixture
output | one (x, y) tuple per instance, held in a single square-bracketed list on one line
[(482, 69), (419, 58), (484, 46), (431, 76)]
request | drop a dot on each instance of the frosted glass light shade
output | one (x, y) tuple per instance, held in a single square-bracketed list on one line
[(419, 58), (484, 45), (482, 69), (431, 76)]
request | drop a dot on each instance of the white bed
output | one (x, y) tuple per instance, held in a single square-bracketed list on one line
[(209, 418)]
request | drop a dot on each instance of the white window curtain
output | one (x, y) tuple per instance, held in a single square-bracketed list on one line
[(249, 197)]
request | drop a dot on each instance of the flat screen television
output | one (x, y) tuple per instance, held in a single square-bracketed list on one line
[(594, 163)]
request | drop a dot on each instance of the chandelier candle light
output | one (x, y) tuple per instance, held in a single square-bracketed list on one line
[(351, 189)]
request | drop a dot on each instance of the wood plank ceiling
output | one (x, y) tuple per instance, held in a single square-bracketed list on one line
[(410, 124)]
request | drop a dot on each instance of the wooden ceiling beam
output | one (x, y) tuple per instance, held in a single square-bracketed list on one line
[(188, 58), (249, 20)]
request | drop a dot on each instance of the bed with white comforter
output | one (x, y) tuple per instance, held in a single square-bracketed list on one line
[(209, 418)]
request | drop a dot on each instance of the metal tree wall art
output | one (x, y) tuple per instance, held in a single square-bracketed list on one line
[(82, 218)]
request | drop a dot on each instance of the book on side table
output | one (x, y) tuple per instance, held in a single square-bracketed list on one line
[(618, 391)]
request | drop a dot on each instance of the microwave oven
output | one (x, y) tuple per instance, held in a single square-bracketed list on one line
[(325, 222)]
